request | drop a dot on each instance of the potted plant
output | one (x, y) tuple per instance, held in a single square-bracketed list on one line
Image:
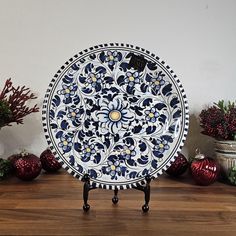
[(13, 106), (219, 122)]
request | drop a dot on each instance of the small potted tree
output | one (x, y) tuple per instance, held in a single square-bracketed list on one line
[(219, 122), (13, 106)]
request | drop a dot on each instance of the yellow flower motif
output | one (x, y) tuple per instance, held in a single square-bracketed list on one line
[(115, 115), (131, 78), (151, 115), (65, 143), (88, 149), (113, 167), (67, 90)]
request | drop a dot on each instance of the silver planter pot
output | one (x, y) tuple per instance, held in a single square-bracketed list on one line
[(225, 155)]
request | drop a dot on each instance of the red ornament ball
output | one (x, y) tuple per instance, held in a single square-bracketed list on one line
[(13, 158), (27, 166), (49, 162), (205, 170), (178, 167)]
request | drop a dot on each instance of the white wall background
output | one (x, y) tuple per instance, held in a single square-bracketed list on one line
[(197, 38)]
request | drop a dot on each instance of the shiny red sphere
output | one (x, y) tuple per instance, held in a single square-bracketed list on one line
[(27, 167), (49, 162), (13, 158), (205, 171), (179, 166)]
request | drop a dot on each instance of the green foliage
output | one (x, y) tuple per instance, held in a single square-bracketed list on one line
[(5, 168), (232, 175), (5, 113), (225, 107)]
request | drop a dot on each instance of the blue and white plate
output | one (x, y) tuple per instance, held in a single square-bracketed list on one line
[(115, 112)]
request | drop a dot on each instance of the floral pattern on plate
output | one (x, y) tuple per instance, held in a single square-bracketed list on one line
[(118, 124)]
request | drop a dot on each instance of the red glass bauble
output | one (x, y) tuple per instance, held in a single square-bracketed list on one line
[(13, 158), (205, 170), (178, 167), (49, 162), (27, 167)]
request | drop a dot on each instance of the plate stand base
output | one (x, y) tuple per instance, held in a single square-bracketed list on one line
[(144, 188), (87, 188)]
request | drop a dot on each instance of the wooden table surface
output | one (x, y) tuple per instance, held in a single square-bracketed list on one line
[(52, 205)]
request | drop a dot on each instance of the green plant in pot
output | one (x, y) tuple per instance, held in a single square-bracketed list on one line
[(219, 122), (13, 108)]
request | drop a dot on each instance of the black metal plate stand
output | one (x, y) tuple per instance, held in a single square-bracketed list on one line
[(144, 188)]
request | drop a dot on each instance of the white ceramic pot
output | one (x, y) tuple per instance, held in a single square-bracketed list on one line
[(225, 155)]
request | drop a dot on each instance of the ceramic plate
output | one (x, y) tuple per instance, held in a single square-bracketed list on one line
[(116, 112)]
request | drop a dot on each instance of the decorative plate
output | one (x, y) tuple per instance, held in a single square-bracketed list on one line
[(115, 112)]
